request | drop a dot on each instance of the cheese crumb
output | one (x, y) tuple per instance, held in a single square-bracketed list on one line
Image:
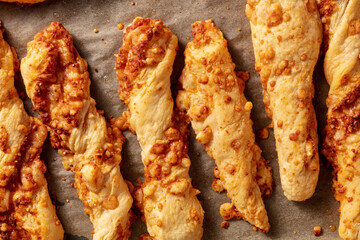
[(224, 224), (317, 231), (248, 106), (120, 26), (263, 133)]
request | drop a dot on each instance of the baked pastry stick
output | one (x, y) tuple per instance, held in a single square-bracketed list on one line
[(57, 81), (144, 65), (213, 97), (342, 132), (286, 38), (26, 211)]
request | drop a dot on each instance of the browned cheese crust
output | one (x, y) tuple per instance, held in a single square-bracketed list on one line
[(213, 97), (341, 146), (286, 37), (57, 81), (144, 65), (26, 211)]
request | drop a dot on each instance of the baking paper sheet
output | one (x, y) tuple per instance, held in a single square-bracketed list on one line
[(289, 220)]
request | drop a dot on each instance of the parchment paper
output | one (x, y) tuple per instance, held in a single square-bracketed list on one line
[(81, 18)]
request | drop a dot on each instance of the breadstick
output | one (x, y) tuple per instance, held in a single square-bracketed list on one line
[(26, 211), (286, 38), (57, 82), (342, 134), (144, 65)]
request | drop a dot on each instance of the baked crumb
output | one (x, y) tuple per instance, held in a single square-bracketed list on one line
[(120, 26), (248, 106), (229, 211), (317, 231), (243, 75), (224, 224), (263, 133), (239, 29), (64, 179), (96, 30), (333, 228), (217, 185), (132, 3)]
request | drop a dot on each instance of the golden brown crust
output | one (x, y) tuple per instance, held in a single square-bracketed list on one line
[(144, 66), (57, 82), (23, 189), (213, 98)]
